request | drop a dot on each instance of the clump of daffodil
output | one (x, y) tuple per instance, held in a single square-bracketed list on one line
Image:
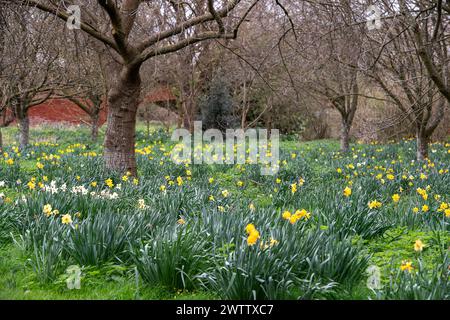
[(109, 183), (298, 215), (423, 193), (443, 206), (47, 210), (374, 204), (294, 188), (31, 185), (253, 234)]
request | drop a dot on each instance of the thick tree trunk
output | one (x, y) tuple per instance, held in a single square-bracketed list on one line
[(94, 127), (422, 147), (123, 100), (24, 131), (345, 137)]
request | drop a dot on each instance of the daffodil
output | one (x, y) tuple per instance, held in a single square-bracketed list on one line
[(406, 265), (418, 246), (347, 192), (396, 198), (66, 219), (447, 213)]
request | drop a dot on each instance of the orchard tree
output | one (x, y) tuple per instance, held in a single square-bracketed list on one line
[(328, 49), (30, 69), (428, 22), (395, 62), (89, 87)]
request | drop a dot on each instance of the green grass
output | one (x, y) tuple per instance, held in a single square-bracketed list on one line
[(130, 252), (18, 282)]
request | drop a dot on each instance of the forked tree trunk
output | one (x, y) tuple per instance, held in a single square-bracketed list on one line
[(123, 100), (24, 131), (422, 146), (345, 136)]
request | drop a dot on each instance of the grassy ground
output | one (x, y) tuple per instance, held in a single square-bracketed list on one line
[(343, 236)]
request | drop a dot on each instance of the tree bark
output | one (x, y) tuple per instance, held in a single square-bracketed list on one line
[(94, 127), (123, 101), (24, 131), (345, 137), (422, 146)]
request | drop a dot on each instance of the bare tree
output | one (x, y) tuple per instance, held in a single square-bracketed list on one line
[(428, 22), (89, 87), (327, 49), (394, 63), (31, 72)]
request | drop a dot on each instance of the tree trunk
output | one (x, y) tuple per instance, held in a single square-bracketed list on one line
[(24, 131), (94, 127), (422, 146), (1, 140), (123, 100), (345, 137)]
